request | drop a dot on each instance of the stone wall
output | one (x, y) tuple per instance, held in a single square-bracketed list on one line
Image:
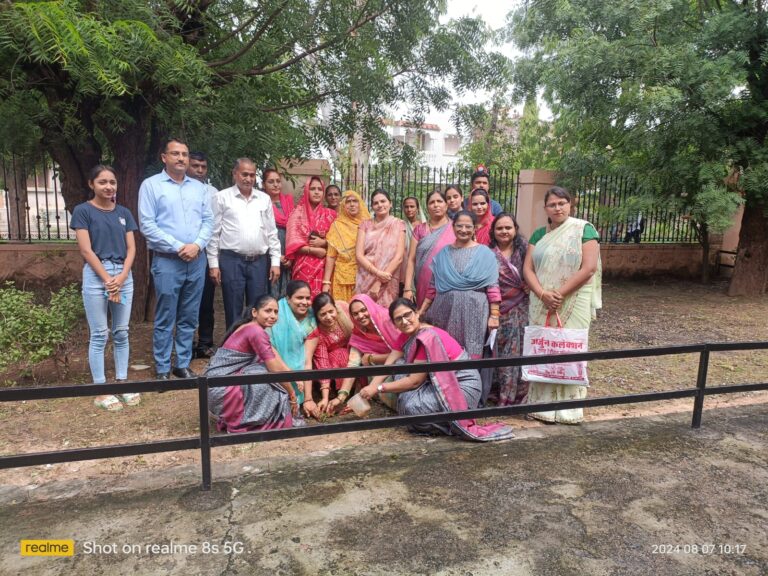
[(41, 265)]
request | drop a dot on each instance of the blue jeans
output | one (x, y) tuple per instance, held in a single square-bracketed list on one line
[(97, 308), (242, 282), (179, 288)]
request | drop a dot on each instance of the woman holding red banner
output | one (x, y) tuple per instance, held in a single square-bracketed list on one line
[(562, 269)]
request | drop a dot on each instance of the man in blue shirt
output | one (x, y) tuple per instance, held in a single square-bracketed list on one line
[(176, 219)]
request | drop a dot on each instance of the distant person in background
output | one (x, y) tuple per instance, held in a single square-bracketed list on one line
[(413, 215), (481, 180), (104, 232), (244, 252), (282, 207), (333, 197), (635, 228), (175, 218), (198, 169)]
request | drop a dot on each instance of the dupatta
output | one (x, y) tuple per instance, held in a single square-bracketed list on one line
[(288, 336), (557, 257), (426, 250), (284, 211), (342, 234), (448, 391), (384, 339), (511, 281), (304, 219), (481, 272)]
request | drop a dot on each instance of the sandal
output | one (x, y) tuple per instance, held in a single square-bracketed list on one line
[(131, 398), (109, 403)]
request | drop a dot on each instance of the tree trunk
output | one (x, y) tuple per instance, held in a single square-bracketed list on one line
[(751, 271), (15, 176), (129, 148)]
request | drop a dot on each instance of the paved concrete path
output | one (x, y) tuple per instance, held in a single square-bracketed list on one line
[(636, 496)]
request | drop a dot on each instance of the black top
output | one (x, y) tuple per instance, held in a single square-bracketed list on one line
[(107, 229)]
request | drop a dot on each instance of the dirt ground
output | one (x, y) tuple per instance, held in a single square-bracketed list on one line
[(636, 314)]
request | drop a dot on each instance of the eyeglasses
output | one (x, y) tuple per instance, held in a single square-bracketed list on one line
[(403, 318), (561, 204)]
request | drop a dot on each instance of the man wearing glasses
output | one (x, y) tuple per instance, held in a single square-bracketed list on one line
[(176, 219)]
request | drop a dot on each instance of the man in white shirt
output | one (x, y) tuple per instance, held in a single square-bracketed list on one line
[(244, 251), (204, 348)]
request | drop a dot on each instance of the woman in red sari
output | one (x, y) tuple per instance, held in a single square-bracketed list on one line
[(305, 239), (329, 342), (480, 204)]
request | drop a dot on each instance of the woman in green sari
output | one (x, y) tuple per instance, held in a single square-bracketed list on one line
[(562, 268)]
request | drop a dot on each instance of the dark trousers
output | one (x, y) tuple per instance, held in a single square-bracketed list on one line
[(206, 321), (242, 281)]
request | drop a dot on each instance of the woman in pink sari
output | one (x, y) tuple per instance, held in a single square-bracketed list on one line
[(431, 392), (305, 239), (429, 238), (373, 339), (380, 251), (480, 205)]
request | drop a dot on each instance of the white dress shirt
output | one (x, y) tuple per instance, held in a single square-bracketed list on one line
[(246, 226)]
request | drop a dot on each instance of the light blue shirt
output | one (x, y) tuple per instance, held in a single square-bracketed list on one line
[(172, 214)]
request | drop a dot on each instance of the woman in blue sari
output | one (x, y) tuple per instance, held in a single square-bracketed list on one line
[(463, 298), (295, 322)]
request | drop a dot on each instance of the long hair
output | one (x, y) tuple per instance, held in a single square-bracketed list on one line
[(519, 242), (247, 316)]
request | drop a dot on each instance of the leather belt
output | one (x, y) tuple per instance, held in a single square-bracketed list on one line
[(243, 257)]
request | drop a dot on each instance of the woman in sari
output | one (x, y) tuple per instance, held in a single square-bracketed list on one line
[(380, 251), (295, 322), (340, 262), (333, 197), (282, 206), (429, 238), (413, 215), (510, 247), (328, 343), (455, 199), (463, 297), (247, 350), (481, 207), (562, 268), (307, 228), (433, 392), (373, 339)]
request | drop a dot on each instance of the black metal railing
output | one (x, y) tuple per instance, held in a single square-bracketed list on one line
[(623, 212), (31, 204), (401, 182), (205, 441)]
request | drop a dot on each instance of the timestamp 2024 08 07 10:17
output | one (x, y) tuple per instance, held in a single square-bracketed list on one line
[(698, 548)]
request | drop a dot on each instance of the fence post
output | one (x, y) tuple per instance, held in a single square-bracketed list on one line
[(205, 431), (701, 384)]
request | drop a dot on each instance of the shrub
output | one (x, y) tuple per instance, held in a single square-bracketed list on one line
[(30, 332)]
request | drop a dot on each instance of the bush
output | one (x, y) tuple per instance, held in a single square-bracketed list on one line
[(30, 332)]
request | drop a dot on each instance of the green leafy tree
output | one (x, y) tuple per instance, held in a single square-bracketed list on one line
[(111, 80), (676, 91)]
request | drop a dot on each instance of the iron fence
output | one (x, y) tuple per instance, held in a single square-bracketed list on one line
[(402, 181), (31, 204), (623, 212), (205, 441)]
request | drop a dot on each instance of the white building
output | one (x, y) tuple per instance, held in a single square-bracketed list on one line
[(438, 148)]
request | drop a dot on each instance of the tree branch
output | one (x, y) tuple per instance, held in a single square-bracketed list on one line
[(230, 35), (250, 44), (290, 62), (299, 103)]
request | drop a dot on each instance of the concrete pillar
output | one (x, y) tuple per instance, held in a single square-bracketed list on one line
[(300, 172), (532, 184), (731, 236)]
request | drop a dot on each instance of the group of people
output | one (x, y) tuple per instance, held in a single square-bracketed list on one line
[(322, 282)]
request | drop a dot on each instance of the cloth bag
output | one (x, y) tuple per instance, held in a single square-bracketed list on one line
[(543, 340)]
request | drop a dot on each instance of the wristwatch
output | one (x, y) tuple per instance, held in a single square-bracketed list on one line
[(380, 388)]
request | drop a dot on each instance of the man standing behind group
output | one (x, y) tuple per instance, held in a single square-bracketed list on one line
[(244, 244), (481, 179), (175, 218), (198, 169)]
